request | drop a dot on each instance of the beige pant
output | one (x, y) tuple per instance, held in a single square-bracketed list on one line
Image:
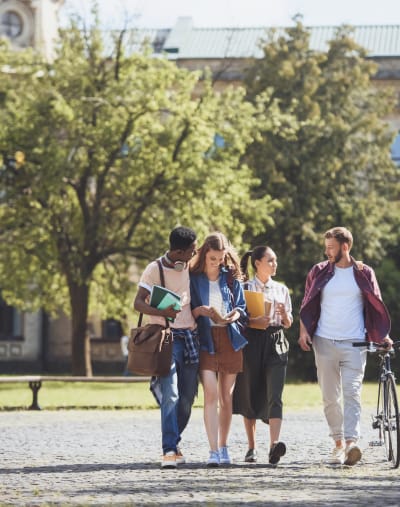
[(340, 370)]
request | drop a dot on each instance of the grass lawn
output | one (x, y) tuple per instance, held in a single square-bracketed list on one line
[(55, 395), (303, 396)]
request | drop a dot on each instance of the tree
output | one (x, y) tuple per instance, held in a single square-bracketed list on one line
[(327, 160), (118, 149)]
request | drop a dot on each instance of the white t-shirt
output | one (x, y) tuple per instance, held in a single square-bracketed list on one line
[(342, 308), (177, 281), (215, 299)]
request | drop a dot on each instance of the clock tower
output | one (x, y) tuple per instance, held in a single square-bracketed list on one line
[(30, 23)]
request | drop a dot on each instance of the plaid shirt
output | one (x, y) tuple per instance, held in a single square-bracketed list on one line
[(191, 337)]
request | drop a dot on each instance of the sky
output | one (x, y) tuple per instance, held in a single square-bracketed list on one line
[(225, 13)]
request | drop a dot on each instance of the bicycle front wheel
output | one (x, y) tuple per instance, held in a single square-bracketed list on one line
[(391, 421)]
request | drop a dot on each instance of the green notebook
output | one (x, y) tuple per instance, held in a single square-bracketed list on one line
[(169, 300), (162, 298)]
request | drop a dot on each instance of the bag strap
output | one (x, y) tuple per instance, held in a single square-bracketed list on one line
[(162, 281)]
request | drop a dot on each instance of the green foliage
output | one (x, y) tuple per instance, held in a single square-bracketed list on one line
[(327, 160), (388, 274), (119, 149)]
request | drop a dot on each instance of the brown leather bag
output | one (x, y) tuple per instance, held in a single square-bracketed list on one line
[(150, 350), (150, 346)]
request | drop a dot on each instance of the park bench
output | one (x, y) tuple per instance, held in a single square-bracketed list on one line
[(35, 382)]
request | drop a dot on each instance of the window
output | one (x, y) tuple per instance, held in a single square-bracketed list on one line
[(111, 330), (11, 24), (11, 322), (159, 40), (395, 150)]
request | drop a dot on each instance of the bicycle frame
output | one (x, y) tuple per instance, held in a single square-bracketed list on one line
[(387, 416)]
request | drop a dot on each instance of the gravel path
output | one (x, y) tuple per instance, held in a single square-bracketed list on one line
[(112, 458)]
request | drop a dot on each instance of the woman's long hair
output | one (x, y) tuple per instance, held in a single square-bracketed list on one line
[(254, 255), (217, 241)]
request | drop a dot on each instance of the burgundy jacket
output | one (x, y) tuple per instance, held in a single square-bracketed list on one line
[(377, 319)]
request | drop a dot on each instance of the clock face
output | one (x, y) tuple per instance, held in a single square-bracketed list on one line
[(11, 24)]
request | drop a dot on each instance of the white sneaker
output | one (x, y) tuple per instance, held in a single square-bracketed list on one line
[(180, 458), (352, 454), (169, 460), (337, 457)]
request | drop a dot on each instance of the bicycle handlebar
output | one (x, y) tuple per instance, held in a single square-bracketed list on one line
[(373, 346)]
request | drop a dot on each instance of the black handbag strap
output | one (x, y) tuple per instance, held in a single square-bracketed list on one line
[(162, 281)]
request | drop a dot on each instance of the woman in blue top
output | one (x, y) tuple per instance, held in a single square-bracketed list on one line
[(217, 303)]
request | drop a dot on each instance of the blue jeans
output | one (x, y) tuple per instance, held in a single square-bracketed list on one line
[(178, 391)]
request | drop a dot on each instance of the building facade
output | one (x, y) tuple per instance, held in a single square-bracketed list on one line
[(30, 23)]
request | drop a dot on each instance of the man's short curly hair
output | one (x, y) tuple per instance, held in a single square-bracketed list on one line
[(181, 238)]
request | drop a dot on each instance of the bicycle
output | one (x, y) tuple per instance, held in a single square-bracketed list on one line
[(387, 419)]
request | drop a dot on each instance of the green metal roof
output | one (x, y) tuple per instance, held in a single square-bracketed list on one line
[(184, 41)]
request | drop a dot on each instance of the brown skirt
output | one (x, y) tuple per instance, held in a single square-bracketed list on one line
[(225, 359)]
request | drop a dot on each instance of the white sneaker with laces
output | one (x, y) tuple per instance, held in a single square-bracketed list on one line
[(352, 454), (338, 456)]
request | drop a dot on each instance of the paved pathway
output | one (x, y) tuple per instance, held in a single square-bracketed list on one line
[(95, 457)]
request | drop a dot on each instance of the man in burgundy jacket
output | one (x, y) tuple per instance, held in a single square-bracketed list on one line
[(342, 304)]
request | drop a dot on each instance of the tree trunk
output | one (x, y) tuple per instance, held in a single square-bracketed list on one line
[(81, 361)]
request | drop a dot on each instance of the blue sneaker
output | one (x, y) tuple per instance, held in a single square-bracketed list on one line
[(224, 458), (213, 459)]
